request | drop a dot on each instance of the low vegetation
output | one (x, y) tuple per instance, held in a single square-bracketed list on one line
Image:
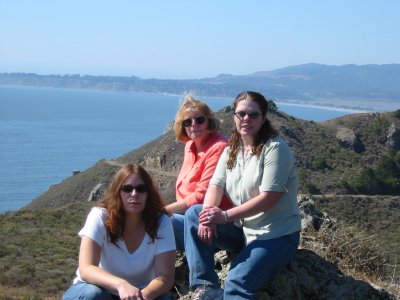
[(38, 250), (356, 253)]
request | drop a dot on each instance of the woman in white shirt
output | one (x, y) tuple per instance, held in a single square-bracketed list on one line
[(258, 174), (127, 249)]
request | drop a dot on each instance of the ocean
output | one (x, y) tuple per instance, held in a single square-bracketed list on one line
[(46, 133)]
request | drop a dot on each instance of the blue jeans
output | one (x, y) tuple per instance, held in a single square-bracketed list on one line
[(83, 290), (178, 222), (256, 264), (86, 291)]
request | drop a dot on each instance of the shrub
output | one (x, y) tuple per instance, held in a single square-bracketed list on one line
[(311, 188), (383, 180), (320, 163)]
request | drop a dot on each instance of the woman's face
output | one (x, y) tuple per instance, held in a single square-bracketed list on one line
[(134, 194), (196, 126), (248, 118)]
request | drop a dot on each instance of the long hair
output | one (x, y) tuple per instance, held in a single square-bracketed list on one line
[(112, 202), (266, 131), (191, 105)]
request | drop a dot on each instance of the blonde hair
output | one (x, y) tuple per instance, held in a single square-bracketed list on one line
[(191, 105)]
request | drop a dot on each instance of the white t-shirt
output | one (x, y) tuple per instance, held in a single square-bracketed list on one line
[(137, 267)]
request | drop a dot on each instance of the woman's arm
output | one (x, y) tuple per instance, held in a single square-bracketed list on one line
[(89, 258), (213, 196), (164, 265), (177, 207), (262, 202)]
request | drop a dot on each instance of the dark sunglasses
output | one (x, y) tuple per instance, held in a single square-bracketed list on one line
[(140, 188), (252, 114), (198, 120)]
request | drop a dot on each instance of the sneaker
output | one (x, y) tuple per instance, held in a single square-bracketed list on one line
[(208, 293)]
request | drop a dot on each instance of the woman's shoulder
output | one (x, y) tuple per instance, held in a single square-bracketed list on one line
[(277, 143), (218, 140), (164, 218), (98, 212)]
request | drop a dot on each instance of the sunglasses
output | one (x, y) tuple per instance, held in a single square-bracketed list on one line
[(252, 114), (189, 122), (140, 188)]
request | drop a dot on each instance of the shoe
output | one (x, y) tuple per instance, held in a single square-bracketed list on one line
[(208, 293)]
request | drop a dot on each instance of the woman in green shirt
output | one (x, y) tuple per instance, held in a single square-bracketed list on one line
[(258, 174)]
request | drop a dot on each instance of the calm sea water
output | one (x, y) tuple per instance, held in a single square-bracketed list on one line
[(47, 133)]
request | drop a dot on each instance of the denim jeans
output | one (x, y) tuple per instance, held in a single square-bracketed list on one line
[(86, 291), (256, 263), (178, 223)]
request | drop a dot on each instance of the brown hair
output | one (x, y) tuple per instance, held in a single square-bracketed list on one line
[(266, 131), (189, 105), (112, 202)]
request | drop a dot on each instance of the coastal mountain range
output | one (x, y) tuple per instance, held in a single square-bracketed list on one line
[(363, 87)]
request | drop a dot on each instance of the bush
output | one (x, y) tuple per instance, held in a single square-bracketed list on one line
[(320, 163), (383, 180)]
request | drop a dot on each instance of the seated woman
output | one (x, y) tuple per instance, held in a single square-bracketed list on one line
[(195, 125), (258, 173), (127, 249)]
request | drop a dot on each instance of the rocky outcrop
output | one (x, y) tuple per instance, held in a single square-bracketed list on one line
[(348, 139), (393, 138), (308, 276), (96, 192)]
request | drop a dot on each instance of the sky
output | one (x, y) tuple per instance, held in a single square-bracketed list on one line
[(186, 39)]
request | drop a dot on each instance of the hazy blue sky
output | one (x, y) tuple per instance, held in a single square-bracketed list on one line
[(193, 39)]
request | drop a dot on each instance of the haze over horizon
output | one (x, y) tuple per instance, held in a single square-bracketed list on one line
[(184, 40)]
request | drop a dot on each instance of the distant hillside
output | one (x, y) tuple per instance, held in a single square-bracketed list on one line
[(330, 156), (352, 86)]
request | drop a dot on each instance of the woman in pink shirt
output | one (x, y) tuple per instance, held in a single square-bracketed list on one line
[(196, 125)]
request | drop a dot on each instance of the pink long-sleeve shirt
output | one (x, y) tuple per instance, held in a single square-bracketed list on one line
[(197, 170)]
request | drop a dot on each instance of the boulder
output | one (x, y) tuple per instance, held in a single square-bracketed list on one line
[(96, 192), (393, 137), (348, 139)]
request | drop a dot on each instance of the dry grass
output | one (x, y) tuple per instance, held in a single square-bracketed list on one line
[(16, 293), (356, 254)]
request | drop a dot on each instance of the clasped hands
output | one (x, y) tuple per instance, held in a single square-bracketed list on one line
[(209, 217)]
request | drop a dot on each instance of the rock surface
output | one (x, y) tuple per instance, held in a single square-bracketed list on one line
[(350, 140), (393, 137)]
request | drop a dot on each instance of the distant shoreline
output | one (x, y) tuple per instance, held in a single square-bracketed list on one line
[(295, 103), (327, 107)]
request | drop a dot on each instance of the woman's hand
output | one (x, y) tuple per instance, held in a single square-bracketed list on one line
[(206, 233), (211, 215), (127, 291)]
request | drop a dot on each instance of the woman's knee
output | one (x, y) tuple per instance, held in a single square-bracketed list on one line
[(86, 291), (192, 214)]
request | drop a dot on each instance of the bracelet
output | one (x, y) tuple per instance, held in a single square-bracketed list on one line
[(226, 216)]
